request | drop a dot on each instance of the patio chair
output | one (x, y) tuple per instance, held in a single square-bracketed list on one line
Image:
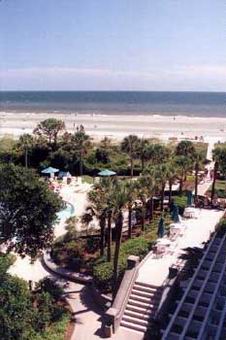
[(174, 233), (160, 251)]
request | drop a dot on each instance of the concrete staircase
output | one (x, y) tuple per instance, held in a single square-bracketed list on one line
[(141, 307)]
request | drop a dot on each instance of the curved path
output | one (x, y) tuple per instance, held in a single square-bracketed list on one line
[(86, 314)]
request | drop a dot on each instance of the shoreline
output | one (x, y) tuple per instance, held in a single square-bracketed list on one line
[(118, 126)]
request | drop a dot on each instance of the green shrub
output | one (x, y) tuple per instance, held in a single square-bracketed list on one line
[(44, 311), (68, 254), (6, 260), (138, 247), (181, 202), (92, 244), (48, 285), (55, 331), (103, 276), (222, 224)]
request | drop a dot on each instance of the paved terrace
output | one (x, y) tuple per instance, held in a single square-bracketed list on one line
[(154, 271)]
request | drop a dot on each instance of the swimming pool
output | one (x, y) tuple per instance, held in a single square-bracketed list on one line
[(67, 212)]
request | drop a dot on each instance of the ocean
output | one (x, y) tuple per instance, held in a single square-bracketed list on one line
[(201, 104)]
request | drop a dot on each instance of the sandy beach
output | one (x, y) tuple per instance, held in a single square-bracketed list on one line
[(116, 127)]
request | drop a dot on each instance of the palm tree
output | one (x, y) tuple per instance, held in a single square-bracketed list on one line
[(109, 184), (82, 143), (26, 142), (184, 164), (109, 233), (157, 153), (198, 159), (141, 192), (131, 194), (98, 208), (143, 151), (148, 186), (185, 148), (102, 205), (119, 200), (219, 157), (130, 145), (172, 176), (161, 174)]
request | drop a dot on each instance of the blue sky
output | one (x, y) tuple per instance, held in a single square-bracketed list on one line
[(113, 45)]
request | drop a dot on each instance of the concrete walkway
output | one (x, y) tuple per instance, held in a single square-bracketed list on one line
[(207, 181), (86, 313)]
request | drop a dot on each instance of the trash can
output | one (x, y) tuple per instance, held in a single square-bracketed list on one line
[(108, 331), (173, 271)]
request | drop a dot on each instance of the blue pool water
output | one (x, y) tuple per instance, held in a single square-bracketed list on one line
[(67, 212)]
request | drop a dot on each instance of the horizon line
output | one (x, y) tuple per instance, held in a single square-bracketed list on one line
[(97, 91)]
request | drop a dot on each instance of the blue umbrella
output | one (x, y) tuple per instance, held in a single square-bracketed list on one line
[(106, 173), (175, 214), (49, 170), (189, 198), (161, 227), (64, 174)]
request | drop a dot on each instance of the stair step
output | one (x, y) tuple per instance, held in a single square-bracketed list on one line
[(143, 316), (142, 304), (143, 284), (141, 310), (145, 294), (143, 299), (146, 289), (135, 320), (129, 325)]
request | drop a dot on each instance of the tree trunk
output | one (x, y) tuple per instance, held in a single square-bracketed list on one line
[(214, 181), (151, 209), (162, 196), (196, 180), (119, 223), (81, 165), (131, 166), (26, 158), (102, 233), (142, 164), (130, 222), (143, 216), (109, 238), (170, 191), (181, 185)]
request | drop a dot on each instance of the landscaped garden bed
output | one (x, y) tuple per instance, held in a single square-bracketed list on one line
[(220, 188), (81, 254)]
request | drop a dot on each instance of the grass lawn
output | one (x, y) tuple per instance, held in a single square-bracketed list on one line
[(220, 188), (87, 179), (189, 184)]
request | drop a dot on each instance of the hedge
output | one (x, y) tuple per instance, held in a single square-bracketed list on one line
[(103, 272)]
